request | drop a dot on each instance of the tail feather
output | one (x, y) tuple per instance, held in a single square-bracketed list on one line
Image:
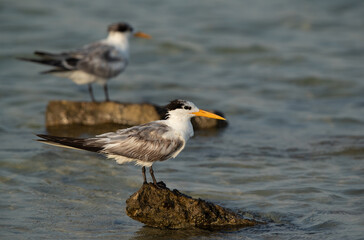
[(75, 143), (61, 62), (47, 55), (51, 62)]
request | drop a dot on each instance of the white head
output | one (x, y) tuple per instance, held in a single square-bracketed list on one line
[(121, 32), (182, 109)]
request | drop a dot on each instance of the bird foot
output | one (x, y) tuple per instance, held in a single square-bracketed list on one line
[(160, 185)]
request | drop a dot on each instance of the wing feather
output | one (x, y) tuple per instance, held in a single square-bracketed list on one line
[(148, 143), (102, 60), (99, 59)]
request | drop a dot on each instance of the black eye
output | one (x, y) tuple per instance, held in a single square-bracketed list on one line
[(187, 107)]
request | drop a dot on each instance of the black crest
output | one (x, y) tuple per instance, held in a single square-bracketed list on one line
[(120, 27), (173, 105)]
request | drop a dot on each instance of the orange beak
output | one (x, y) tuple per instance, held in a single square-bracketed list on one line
[(142, 35), (203, 113)]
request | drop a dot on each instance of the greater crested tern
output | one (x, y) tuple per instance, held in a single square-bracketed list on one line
[(144, 144), (93, 63)]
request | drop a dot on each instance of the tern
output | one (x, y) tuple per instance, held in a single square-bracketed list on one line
[(144, 144), (93, 63)]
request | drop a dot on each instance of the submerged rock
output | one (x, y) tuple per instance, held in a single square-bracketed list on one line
[(163, 208), (62, 112)]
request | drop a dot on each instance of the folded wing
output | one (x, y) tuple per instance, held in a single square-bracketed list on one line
[(99, 59), (149, 142), (102, 60)]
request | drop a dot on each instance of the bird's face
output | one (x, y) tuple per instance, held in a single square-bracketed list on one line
[(126, 30), (186, 109), (121, 28)]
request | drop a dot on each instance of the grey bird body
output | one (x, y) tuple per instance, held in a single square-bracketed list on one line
[(94, 63), (144, 144)]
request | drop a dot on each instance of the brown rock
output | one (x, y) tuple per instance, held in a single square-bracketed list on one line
[(163, 208), (62, 112)]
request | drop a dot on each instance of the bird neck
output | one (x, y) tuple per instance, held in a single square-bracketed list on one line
[(182, 125), (118, 39)]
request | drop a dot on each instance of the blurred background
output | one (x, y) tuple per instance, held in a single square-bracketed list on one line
[(286, 74)]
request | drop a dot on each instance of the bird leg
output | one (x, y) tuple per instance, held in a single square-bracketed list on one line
[(91, 92), (152, 174), (159, 185), (106, 93), (144, 177)]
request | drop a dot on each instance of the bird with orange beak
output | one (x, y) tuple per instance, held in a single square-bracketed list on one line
[(144, 144), (94, 63)]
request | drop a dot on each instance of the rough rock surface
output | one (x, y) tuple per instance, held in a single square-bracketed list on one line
[(62, 112), (163, 208)]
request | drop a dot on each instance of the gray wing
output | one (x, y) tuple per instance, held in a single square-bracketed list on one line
[(98, 58), (149, 142), (102, 60)]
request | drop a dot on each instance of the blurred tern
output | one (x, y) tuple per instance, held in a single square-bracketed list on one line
[(95, 62), (143, 144)]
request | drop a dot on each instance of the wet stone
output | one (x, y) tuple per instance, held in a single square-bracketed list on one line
[(162, 208), (62, 112)]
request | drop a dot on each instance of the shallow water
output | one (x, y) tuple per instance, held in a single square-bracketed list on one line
[(287, 75)]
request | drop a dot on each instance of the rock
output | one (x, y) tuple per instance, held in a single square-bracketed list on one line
[(163, 208), (62, 112)]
